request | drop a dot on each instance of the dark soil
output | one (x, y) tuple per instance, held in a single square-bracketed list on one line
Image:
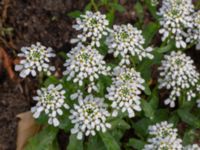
[(36, 20)]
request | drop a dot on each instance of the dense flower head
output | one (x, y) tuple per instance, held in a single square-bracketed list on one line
[(93, 27), (89, 116), (194, 31), (175, 20), (178, 74), (85, 62), (192, 147), (125, 40), (51, 101), (125, 90), (35, 59), (163, 137)]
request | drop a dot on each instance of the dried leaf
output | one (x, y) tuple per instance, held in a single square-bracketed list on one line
[(7, 63), (27, 127)]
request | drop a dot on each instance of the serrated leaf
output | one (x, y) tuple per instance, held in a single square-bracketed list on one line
[(109, 141), (74, 143), (118, 7), (135, 143), (43, 140), (74, 14)]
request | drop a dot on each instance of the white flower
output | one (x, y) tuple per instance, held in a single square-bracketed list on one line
[(192, 147), (51, 101), (163, 137), (125, 90), (93, 26), (35, 58), (175, 20), (125, 40), (154, 2), (194, 31), (178, 74), (85, 62), (89, 116), (198, 103)]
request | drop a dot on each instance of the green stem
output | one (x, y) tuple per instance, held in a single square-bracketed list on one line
[(94, 5)]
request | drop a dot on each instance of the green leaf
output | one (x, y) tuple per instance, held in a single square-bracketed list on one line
[(141, 127), (65, 122), (145, 67), (154, 100), (149, 32), (109, 141), (152, 9), (95, 143), (74, 14), (119, 126), (135, 143), (169, 47), (139, 11), (161, 115), (74, 143), (147, 90), (188, 137), (148, 110), (189, 118), (88, 7), (43, 140), (118, 7), (51, 80)]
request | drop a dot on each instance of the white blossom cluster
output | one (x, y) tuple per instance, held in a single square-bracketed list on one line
[(163, 137), (192, 147), (35, 58), (126, 41), (85, 62), (178, 74), (51, 101), (176, 18), (125, 90), (93, 26), (89, 116), (194, 31)]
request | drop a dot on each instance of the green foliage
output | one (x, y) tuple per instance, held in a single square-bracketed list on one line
[(45, 140), (109, 141), (74, 143)]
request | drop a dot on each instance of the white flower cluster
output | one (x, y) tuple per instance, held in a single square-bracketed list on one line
[(85, 62), (192, 147), (93, 26), (88, 116), (163, 137), (51, 101), (126, 41), (35, 58), (125, 90), (178, 74), (194, 31), (176, 18)]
